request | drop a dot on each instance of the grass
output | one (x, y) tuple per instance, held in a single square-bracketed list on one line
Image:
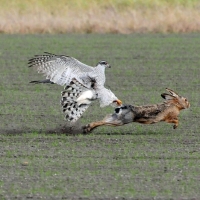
[(50, 5), (133, 161), (114, 168), (113, 16)]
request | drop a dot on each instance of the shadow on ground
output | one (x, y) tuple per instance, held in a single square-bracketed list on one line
[(61, 129), (78, 130)]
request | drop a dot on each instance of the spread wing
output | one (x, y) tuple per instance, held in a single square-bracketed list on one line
[(76, 98), (60, 69)]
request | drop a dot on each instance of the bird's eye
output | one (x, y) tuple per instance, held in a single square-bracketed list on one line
[(103, 62)]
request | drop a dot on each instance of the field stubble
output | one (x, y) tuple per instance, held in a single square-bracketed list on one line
[(125, 16), (138, 161)]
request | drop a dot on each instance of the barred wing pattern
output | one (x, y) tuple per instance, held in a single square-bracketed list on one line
[(72, 102), (60, 69)]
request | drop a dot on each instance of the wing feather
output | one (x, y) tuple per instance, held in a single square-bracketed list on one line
[(60, 69), (73, 111)]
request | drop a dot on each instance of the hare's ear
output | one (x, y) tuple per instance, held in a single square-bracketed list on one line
[(167, 96), (172, 92)]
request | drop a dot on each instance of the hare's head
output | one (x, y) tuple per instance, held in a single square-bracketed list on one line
[(179, 101)]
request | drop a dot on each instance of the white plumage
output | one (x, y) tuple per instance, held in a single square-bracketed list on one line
[(83, 83), (85, 97)]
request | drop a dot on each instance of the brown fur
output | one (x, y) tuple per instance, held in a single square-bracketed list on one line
[(167, 111)]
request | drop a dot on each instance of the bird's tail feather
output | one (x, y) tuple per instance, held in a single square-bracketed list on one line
[(43, 81)]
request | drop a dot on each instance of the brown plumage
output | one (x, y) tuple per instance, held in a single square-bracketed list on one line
[(167, 111)]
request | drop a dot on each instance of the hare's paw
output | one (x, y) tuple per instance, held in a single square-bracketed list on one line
[(86, 128), (175, 126)]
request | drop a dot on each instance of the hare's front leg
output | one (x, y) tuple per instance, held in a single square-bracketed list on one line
[(173, 120)]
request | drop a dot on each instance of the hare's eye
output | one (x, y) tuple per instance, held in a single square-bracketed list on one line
[(185, 100)]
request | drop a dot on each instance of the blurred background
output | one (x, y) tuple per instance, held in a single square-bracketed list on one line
[(99, 16)]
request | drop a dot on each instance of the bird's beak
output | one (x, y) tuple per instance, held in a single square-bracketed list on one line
[(109, 66)]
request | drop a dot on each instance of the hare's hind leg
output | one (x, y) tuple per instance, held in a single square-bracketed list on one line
[(89, 127), (109, 120)]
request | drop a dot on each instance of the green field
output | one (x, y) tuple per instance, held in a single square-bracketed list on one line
[(41, 159)]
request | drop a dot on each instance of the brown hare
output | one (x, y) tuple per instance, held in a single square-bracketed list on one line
[(167, 111)]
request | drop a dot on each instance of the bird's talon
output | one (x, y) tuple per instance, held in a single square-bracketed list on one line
[(119, 102)]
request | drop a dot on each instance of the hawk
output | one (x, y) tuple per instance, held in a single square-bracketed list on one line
[(82, 83)]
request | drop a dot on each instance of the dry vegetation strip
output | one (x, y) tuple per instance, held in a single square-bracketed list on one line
[(101, 16)]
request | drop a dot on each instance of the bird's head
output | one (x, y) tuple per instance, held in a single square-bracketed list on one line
[(103, 63)]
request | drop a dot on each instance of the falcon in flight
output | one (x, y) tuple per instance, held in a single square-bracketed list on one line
[(83, 83)]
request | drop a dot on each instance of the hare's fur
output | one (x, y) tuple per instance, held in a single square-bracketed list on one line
[(167, 111)]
